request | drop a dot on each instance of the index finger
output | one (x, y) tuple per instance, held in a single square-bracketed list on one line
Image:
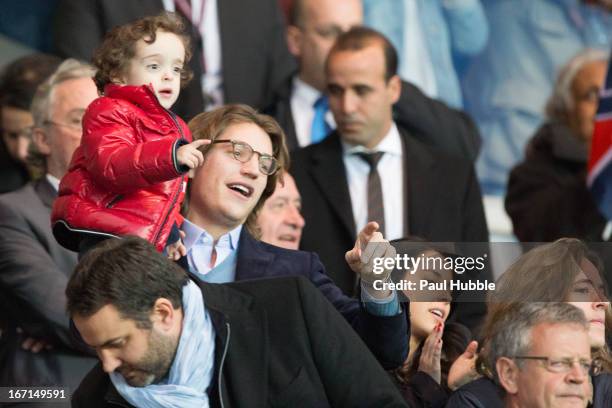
[(365, 235), (200, 142)]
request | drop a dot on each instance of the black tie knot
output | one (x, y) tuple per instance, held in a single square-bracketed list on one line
[(371, 158)]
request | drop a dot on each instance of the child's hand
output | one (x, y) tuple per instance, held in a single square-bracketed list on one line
[(190, 155), (176, 250)]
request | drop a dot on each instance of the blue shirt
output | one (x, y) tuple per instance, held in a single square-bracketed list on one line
[(199, 245)]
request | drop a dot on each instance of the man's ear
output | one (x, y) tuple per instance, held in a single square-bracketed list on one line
[(394, 86), (41, 141), (507, 371), (294, 40), (164, 314)]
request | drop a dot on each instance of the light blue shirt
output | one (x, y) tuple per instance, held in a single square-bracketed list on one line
[(199, 245), (507, 86), (451, 29)]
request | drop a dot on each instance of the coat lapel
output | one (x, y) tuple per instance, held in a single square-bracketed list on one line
[(45, 191), (329, 174), (253, 260), (419, 184)]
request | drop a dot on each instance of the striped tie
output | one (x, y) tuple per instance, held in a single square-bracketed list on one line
[(376, 207)]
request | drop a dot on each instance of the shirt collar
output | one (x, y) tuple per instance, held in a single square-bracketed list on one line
[(390, 144), (54, 181), (195, 234), (304, 92)]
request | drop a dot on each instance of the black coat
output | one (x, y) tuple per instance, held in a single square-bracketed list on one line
[(386, 337), (254, 55), (286, 347), (547, 194), (428, 120), (442, 195), (483, 393)]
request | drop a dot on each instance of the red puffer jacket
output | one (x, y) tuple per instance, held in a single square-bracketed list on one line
[(124, 178)]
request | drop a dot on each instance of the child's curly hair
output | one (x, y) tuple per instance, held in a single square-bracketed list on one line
[(118, 48)]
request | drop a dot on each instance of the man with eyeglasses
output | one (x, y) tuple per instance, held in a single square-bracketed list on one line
[(35, 347), (241, 169), (539, 356)]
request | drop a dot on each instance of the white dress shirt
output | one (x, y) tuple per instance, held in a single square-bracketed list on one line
[(199, 245), (391, 171), (54, 181), (212, 79), (303, 98)]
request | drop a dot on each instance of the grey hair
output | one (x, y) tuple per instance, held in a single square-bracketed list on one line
[(69, 69), (41, 103), (561, 101), (510, 334)]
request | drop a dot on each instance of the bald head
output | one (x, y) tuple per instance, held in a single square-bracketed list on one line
[(314, 27)]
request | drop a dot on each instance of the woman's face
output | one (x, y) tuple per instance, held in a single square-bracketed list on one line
[(428, 306), (424, 316), (587, 295)]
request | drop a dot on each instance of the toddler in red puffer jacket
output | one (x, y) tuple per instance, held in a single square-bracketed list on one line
[(127, 177)]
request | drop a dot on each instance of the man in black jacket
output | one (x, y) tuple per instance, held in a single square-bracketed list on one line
[(166, 342), (313, 27), (412, 189)]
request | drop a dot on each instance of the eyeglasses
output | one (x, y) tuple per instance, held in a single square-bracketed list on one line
[(268, 165), (564, 365), (73, 124)]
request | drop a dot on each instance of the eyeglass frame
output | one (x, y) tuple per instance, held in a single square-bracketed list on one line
[(260, 154), (595, 365)]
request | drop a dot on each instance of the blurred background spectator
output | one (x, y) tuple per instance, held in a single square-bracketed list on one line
[(18, 83), (506, 87), (280, 220), (547, 194)]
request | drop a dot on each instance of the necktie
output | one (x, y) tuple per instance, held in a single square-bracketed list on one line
[(320, 128), (185, 8), (376, 207)]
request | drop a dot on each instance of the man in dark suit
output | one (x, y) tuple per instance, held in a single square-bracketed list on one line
[(35, 347), (224, 198), (244, 51), (300, 103), (167, 341), (410, 188)]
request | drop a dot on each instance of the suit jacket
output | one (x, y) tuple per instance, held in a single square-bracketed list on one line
[(441, 194), (285, 346), (387, 337), (254, 54), (428, 120), (34, 270)]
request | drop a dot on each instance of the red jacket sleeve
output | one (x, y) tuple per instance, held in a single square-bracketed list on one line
[(116, 157)]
